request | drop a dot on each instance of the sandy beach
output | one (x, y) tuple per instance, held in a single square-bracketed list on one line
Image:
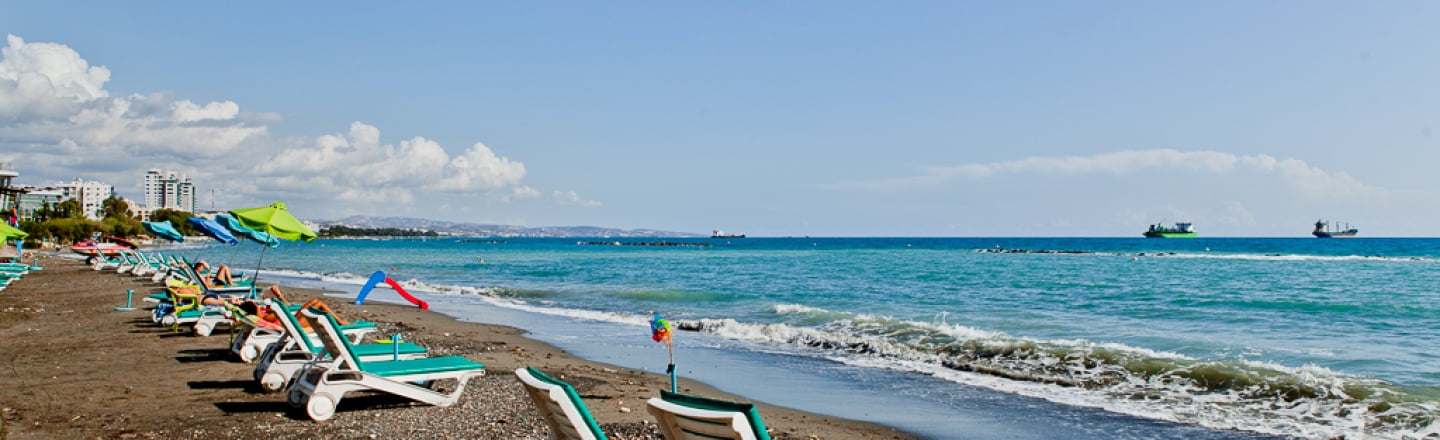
[(75, 368)]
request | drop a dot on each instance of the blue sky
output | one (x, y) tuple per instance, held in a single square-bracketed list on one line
[(800, 118)]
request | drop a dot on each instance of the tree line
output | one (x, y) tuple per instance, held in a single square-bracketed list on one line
[(65, 222)]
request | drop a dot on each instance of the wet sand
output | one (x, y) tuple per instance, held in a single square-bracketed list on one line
[(73, 367)]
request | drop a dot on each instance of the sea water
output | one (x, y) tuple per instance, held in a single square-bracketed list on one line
[(967, 337)]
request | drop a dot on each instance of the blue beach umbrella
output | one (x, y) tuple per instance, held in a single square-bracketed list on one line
[(257, 236), (213, 230), (164, 230)]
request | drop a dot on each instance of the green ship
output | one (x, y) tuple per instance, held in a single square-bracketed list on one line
[(1181, 230)]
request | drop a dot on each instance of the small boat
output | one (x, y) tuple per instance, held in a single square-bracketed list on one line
[(722, 234), (1323, 230), (1181, 230), (123, 242), (91, 248)]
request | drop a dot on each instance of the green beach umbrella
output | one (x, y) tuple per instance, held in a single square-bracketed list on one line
[(274, 220), (8, 232)]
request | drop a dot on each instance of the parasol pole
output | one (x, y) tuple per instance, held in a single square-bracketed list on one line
[(671, 369), (254, 279)]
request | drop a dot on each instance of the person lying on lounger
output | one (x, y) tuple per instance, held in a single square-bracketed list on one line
[(222, 277), (263, 315)]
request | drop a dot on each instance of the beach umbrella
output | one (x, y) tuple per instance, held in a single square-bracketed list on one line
[(8, 232), (213, 230), (239, 229), (164, 230), (275, 220)]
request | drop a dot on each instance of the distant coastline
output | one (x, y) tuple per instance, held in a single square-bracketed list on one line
[(462, 229)]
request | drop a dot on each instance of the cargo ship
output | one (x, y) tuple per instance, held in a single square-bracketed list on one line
[(722, 234), (1181, 230), (1323, 230)]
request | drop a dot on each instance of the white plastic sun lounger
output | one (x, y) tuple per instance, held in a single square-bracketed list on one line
[(320, 386), (294, 348), (560, 406), (687, 417)]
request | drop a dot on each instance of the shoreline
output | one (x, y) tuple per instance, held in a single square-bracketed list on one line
[(82, 369)]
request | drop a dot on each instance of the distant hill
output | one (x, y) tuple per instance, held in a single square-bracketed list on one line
[(485, 230)]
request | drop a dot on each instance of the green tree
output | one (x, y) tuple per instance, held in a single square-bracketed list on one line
[(123, 226), (115, 207), (64, 230), (71, 230), (69, 209)]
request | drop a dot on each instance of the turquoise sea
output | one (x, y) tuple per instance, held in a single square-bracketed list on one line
[(967, 337)]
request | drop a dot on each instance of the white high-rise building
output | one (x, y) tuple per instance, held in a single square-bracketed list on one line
[(165, 189), (91, 195)]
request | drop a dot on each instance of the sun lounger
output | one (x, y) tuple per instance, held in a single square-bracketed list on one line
[(560, 406), (186, 309), (280, 360), (125, 260), (186, 275), (145, 264), (320, 386), (102, 261), (687, 417), (240, 286), (254, 339)]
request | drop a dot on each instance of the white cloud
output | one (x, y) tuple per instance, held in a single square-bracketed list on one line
[(524, 192), (356, 164), (57, 119), (572, 198), (1304, 178), (46, 80), (186, 111), (48, 93)]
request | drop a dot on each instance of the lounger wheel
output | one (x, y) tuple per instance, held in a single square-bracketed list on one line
[(272, 382), (321, 406), (248, 353), (295, 398), (203, 329), (167, 320)]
